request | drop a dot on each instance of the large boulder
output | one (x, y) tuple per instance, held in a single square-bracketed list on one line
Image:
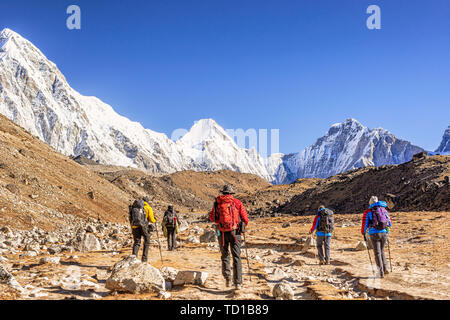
[(133, 276), (283, 291), (89, 242), (169, 273)]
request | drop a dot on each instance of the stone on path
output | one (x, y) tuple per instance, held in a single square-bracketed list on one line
[(283, 291), (133, 276)]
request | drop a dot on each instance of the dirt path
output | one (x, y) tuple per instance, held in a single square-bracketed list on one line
[(420, 265)]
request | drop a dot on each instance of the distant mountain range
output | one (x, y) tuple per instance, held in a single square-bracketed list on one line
[(35, 95)]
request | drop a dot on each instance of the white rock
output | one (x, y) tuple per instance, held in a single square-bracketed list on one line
[(89, 242), (169, 273), (164, 295), (8, 279), (50, 260), (190, 277), (361, 246), (279, 273), (192, 239), (283, 291), (131, 275), (28, 254)]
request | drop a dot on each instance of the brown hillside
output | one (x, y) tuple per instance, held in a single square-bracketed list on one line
[(188, 191), (421, 184), (39, 185)]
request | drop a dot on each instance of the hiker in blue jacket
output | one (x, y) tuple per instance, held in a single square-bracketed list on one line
[(324, 226), (377, 220)]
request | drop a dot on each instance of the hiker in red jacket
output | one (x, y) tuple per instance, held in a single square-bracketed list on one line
[(229, 213)]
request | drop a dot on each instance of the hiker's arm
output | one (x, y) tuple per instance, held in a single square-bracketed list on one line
[(314, 226), (363, 223), (366, 224), (243, 213), (150, 216), (388, 229)]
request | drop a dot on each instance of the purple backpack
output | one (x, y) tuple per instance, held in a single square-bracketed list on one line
[(379, 218)]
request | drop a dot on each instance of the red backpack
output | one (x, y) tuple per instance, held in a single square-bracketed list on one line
[(226, 213)]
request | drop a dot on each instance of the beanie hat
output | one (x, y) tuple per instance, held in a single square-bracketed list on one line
[(373, 199)]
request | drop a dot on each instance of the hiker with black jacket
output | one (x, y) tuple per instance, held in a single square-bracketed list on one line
[(324, 226), (377, 220), (140, 215), (170, 227), (229, 214)]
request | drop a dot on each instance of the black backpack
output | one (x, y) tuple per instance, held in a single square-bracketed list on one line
[(326, 221), (169, 219), (137, 214)]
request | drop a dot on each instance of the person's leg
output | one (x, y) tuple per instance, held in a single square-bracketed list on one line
[(376, 242), (383, 240), (169, 239), (235, 242), (225, 257), (136, 240), (327, 242), (319, 244), (174, 239), (146, 235)]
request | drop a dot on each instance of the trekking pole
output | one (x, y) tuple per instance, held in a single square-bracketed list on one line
[(368, 252), (389, 249), (248, 262), (159, 244)]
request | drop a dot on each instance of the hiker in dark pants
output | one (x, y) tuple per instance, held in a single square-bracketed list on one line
[(228, 212), (377, 219), (140, 226), (170, 227), (324, 226)]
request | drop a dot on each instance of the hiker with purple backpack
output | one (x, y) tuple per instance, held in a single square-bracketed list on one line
[(377, 220)]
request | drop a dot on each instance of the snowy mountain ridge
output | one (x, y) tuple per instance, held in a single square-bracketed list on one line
[(36, 95)]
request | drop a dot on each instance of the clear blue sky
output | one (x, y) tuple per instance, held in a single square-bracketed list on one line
[(298, 66)]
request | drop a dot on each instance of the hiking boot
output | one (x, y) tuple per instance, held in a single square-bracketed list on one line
[(238, 286), (321, 262)]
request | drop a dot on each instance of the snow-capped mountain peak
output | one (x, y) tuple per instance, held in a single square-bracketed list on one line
[(204, 130), (346, 146), (445, 143), (36, 95)]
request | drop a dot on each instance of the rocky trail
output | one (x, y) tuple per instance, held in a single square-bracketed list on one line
[(280, 257)]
